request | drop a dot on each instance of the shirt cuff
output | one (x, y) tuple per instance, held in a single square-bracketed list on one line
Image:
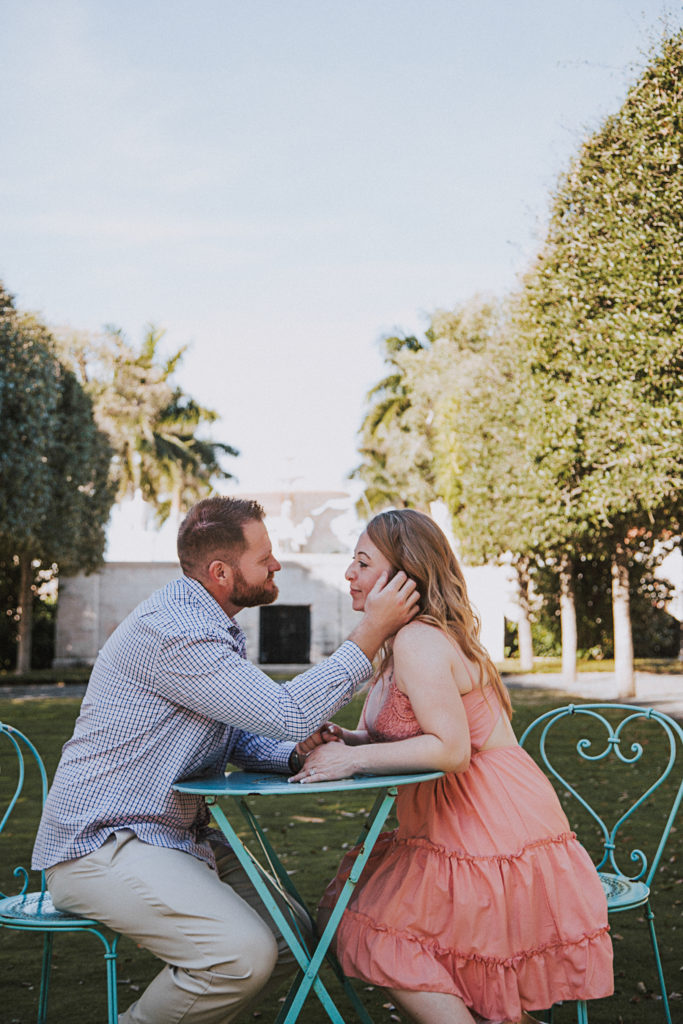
[(279, 758), (357, 665)]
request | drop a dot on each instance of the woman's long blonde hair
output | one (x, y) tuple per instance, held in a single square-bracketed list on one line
[(413, 542)]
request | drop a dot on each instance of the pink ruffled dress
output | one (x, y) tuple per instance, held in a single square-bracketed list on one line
[(483, 890)]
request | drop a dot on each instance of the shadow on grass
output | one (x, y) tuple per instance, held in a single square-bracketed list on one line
[(310, 836)]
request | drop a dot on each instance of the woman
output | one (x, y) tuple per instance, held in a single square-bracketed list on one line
[(482, 902)]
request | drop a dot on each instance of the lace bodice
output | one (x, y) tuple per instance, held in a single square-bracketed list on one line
[(395, 719)]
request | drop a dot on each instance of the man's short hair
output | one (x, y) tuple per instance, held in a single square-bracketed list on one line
[(214, 527)]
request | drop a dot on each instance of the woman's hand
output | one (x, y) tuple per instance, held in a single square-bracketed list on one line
[(327, 733), (326, 762), (351, 737)]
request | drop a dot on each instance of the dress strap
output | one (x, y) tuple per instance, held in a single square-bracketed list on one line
[(466, 666)]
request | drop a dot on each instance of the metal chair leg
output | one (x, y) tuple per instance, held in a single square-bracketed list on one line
[(649, 913), (582, 1012), (45, 977), (112, 994)]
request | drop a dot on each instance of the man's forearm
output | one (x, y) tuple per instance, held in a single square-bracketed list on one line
[(322, 690)]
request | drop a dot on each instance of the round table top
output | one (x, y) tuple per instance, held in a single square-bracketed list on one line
[(269, 784)]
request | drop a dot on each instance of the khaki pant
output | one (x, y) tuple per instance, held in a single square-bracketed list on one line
[(220, 946)]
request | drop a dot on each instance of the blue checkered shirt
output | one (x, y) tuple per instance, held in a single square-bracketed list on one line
[(171, 696)]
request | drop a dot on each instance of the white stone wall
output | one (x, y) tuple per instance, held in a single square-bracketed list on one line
[(489, 591), (91, 607), (313, 533)]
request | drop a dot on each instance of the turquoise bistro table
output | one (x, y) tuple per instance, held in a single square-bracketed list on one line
[(237, 788)]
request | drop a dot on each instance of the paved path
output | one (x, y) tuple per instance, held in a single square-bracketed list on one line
[(664, 692), (37, 691)]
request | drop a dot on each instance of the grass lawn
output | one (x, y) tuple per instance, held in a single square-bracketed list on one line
[(310, 834)]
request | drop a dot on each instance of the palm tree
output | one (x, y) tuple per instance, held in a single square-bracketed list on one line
[(186, 464), (153, 426), (384, 469)]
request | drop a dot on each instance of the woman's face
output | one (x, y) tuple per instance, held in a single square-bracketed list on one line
[(367, 565)]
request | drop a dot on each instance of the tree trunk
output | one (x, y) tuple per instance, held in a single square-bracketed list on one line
[(25, 610), (568, 621), (621, 612), (175, 513), (524, 639)]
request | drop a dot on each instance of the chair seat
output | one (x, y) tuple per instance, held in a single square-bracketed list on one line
[(36, 910), (623, 893)]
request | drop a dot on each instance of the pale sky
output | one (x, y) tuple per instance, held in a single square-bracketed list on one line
[(280, 183)]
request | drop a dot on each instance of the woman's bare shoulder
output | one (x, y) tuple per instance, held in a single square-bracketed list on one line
[(433, 645), (420, 634)]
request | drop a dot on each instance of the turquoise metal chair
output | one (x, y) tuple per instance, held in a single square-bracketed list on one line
[(33, 910), (641, 745)]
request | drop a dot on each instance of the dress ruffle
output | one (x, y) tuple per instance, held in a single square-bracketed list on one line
[(483, 891), (496, 989), (494, 930)]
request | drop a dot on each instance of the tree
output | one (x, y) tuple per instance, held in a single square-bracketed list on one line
[(54, 494), (603, 314), (187, 464), (153, 427), (395, 435), (559, 437), (655, 632), (482, 426), (403, 463), (450, 415)]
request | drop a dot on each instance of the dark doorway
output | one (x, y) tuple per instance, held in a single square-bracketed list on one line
[(285, 634)]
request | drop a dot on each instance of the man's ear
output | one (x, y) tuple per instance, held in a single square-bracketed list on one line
[(220, 574)]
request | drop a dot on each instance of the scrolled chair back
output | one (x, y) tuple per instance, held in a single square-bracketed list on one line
[(619, 766), (23, 780)]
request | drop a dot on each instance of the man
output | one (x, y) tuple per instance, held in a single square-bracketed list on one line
[(171, 696)]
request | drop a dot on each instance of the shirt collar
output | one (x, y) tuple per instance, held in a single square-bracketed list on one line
[(211, 604)]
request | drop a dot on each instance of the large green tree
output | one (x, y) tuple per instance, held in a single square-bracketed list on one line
[(54, 492), (484, 469), (407, 460), (603, 314), (448, 422), (187, 463), (559, 438)]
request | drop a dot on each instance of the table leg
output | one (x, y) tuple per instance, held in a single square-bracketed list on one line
[(286, 885), (378, 816), (331, 957), (253, 871), (272, 859), (310, 964)]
